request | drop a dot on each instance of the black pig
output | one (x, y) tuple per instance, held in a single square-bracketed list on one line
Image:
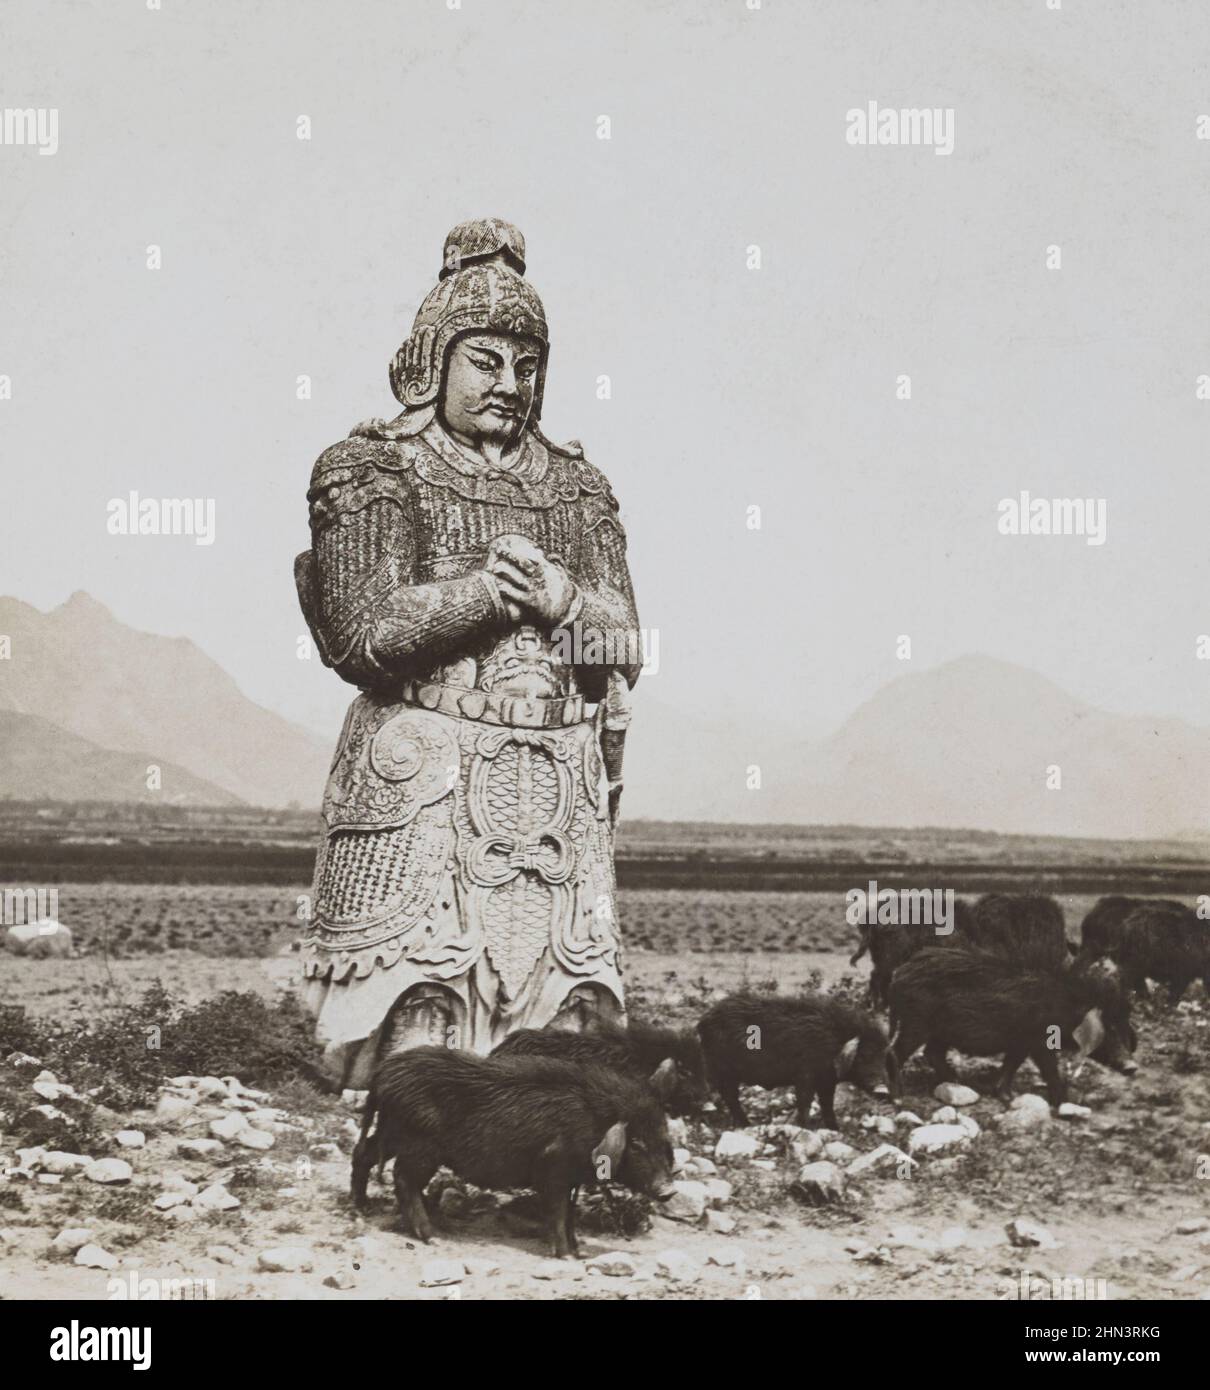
[(810, 1042), (512, 1122)]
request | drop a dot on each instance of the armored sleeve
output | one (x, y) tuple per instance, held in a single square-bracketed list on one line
[(603, 617), (369, 620)]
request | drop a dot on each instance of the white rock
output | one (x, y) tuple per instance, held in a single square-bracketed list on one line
[(880, 1124), (838, 1151), (678, 1266), (50, 1179), (699, 1166), (167, 1200), (952, 1093), (240, 1103), (211, 1087), (821, 1182), (62, 1163), (39, 940), (970, 1124), (1026, 1112), (254, 1139), (932, 1139), (216, 1198), (806, 1146), (229, 1126), (326, 1153), (131, 1138), (616, 1264), (909, 1118), (719, 1222), (766, 1165), (886, 1158), (1024, 1232), (71, 1239), (222, 1254), (93, 1257), (357, 1099), (1193, 1226), (22, 1060), (947, 1115), (199, 1148), (340, 1279), (680, 1157), (286, 1259), (718, 1191), (47, 1076), (49, 1090), (1070, 1111), (109, 1170), (688, 1201), (172, 1108), (178, 1182), (435, 1273), (735, 1144), (678, 1133), (1030, 1101)]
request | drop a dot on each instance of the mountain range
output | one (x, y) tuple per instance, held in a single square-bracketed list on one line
[(88, 704)]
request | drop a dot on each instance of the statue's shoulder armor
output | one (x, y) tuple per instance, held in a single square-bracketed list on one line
[(359, 470), (591, 482)]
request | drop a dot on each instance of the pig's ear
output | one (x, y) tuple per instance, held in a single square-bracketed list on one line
[(664, 1079), (611, 1148), (1089, 1033), (845, 1058)]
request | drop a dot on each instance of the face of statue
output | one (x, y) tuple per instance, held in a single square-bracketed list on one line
[(488, 389)]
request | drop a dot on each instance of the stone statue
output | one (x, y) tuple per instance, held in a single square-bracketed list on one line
[(470, 578)]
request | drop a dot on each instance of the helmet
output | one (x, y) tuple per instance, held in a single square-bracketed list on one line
[(481, 289)]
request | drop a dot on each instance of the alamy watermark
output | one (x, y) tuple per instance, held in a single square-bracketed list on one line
[(901, 907), (162, 516), (31, 125), (1024, 515), (886, 125)]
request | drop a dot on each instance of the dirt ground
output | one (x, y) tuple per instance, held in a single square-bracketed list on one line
[(1123, 1192)]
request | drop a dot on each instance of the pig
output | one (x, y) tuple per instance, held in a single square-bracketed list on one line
[(1027, 927), (510, 1122), (637, 1048), (988, 1005), (1165, 942), (810, 1042), (1102, 929), (891, 944)]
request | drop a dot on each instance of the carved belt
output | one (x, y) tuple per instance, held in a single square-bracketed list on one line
[(494, 707)]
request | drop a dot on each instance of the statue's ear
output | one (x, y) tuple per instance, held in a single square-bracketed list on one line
[(845, 1058), (607, 1156), (664, 1079)]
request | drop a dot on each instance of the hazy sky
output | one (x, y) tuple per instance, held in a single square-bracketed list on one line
[(731, 387)]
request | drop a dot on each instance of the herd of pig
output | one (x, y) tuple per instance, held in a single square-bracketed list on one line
[(552, 1110)]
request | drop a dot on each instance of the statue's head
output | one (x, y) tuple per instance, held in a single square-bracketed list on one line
[(479, 345)]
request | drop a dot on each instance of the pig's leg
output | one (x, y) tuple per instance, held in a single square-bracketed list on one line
[(1047, 1062), (364, 1154), (555, 1196), (825, 1084), (729, 1092), (935, 1055), (571, 1222), (1004, 1082), (905, 1042), (413, 1170)]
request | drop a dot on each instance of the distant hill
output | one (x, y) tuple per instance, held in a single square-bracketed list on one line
[(966, 744), (158, 697), (39, 760)]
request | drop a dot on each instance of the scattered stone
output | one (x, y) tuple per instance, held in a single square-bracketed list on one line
[(93, 1257), (436, 1273), (199, 1148), (880, 1124), (222, 1254), (171, 1108), (1026, 1112), (718, 1191), (688, 1201), (109, 1170), (970, 1124), (71, 1239), (22, 1060), (821, 1183), (287, 1259), (953, 1093), (1070, 1111), (733, 1143), (254, 1139), (720, 1223), (1193, 1226), (239, 1103), (210, 1087), (216, 1198), (340, 1279), (61, 1163), (838, 1151), (699, 1166), (356, 1099), (931, 1139), (766, 1165), (678, 1132), (326, 1153), (39, 940), (167, 1200), (229, 1126), (806, 1146), (1023, 1232), (178, 1182), (616, 1264), (908, 1117), (680, 1157), (50, 1179), (678, 1266), (131, 1138), (886, 1158)]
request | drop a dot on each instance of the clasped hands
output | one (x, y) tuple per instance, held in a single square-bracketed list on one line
[(532, 586)]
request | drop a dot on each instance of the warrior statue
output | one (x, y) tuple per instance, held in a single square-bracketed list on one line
[(470, 578)]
